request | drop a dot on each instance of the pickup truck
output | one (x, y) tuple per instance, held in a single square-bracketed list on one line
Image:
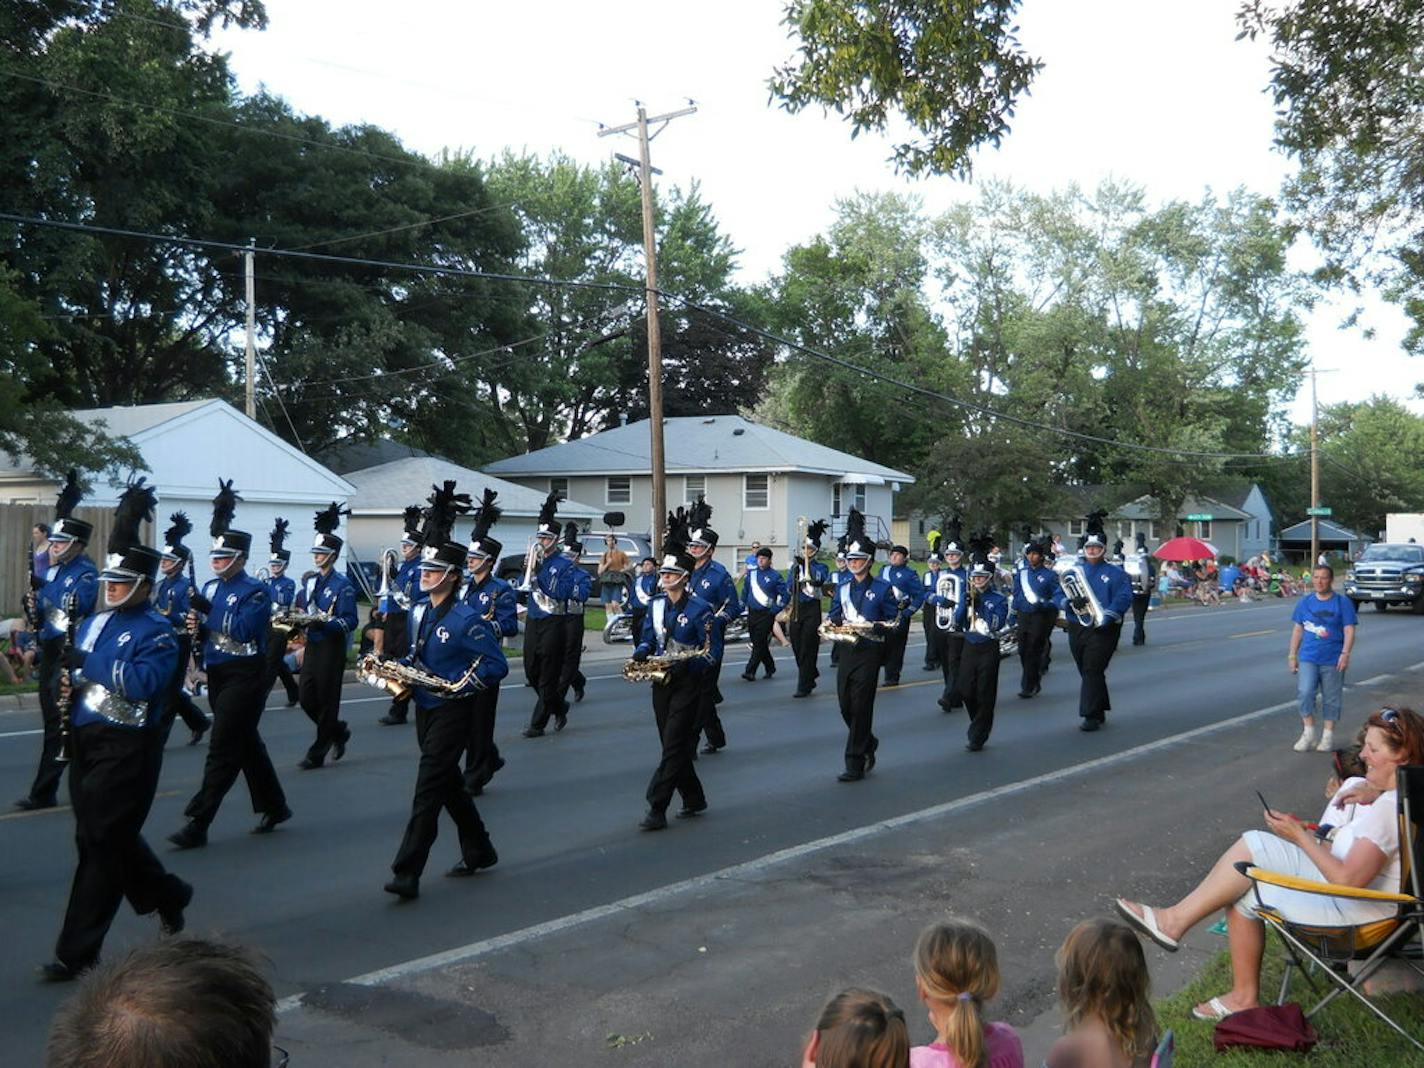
[(1387, 574)]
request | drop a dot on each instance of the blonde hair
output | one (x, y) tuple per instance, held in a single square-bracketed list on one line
[(862, 1029), (1102, 974), (958, 966)]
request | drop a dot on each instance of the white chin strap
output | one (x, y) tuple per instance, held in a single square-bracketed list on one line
[(136, 595)]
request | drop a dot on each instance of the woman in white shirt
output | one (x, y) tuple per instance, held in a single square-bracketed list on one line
[(1364, 852)]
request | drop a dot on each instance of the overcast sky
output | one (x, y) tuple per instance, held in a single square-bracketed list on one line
[(1156, 92)]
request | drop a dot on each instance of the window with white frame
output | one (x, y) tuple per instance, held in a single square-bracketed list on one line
[(1204, 529), (756, 492), (842, 503), (559, 486), (1075, 527), (619, 489), (692, 485)]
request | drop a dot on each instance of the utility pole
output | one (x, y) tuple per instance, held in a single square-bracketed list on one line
[(247, 259), (1314, 473), (655, 354)]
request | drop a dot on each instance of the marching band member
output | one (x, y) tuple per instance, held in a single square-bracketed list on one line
[(171, 600), (492, 600), (395, 609), (571, 674), (554, 589), (677, 622), (934, 651), (905, 585), (1142, 590), (451, 641), (983, 614), (70, 589), (116, 679), (1035, 586), (764, 594), (1092, 645), (644, 588), (233, 614), (953, 648), (711, 582), (840, 576), (806, 583), (328, 593), (862, 599), (282, 591)]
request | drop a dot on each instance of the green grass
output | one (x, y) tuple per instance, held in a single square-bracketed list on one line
[(1350, 1035), (7, 689)]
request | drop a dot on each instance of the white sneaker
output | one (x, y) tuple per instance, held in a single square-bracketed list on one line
[(1306, 740), (1327, 741)]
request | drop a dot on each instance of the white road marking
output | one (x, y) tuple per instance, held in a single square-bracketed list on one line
[(749, 868), (1374, 681), (21, 734)]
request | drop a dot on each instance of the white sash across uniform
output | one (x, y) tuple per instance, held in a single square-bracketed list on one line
[(1030, 594), (849, 613), (758, 593), (660, 622)]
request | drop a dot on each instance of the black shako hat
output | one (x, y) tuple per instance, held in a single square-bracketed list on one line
[(1095, 535), (226, 541), (486, 515), (441, 553), (548, 526), (676, 559), (953, 541), (857, 544), (326, 523), (815, 532), (128, 559), (699, 524), (173, 547), (276, 542), (65, 526), (410, 525)]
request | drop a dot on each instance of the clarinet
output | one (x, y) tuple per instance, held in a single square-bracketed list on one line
[(196, 645), (30, 601), (67, 693)]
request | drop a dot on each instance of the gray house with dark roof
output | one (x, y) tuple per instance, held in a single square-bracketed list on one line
[(758, 480)]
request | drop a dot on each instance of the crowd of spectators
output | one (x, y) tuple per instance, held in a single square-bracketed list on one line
[(1208, 583)]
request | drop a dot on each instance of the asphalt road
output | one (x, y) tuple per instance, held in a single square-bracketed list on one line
[(563, 813)]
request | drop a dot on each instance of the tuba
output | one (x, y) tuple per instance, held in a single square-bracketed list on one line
[(1136, 568), (399, 679), (950, 587), (1082, 601)]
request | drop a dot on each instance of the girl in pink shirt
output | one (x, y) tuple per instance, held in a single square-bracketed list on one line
[(956, 972)]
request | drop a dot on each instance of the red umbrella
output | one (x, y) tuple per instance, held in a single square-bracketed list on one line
[(1185, 549)]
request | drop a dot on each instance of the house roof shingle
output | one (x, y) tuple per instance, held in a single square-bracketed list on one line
[(390, 487)]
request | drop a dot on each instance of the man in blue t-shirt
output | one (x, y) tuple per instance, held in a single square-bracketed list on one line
[(1320, 644)]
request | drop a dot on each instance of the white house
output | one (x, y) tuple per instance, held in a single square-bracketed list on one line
[(187, 446), (383, 492), (758, 480)]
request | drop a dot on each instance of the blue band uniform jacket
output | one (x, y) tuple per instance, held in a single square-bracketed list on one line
[(405, 588), (682, 627), (1111, 586), (503, 621), (870, 601), (1035, 589), (171, 598), (334, 595), (713, 584), (991, 606), (78, 577), (561, 586), (645, 588), (282, 592), (905, 585), (129, 660), (236, 626), (764, 590), (819, 576), (447, 643)]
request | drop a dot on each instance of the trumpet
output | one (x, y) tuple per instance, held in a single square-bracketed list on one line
[(533, 560), (390, 564), (399, 679), (851, 632)]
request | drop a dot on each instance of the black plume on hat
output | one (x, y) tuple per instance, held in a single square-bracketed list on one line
[(410, 520), (675, 554), (571, 536), (1141, 541), (69, 496), (329, 518), (224, 508), (135, 506), (815, 531), (181, 527), (548, 511), (277, 540), (486, 516), (445, 507), (700, 515), (1117, 547), (954, 534)]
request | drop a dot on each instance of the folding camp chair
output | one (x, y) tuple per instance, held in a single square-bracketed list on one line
[(1331, 949)]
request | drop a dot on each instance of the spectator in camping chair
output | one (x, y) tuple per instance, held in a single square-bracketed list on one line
[(1330, 896)]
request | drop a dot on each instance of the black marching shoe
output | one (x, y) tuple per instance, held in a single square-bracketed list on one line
[(390, 719), (802, 693), (193, 835), (892, 682), (310, 763), (1090, 723), (974, 747), (578, 693), (870, 755), (944, 705), (198, 732), (338, 749), (709, 749), (687, 812), (291, 700), (33, 804), (653, 821), (561, 720), (1027, 693), (405, 887), (748, 676), (270, 820), (56, 971), (486, 858), (533, 732), (170, 920)]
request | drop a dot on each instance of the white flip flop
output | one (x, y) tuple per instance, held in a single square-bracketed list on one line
[(1218, 1011), (1146, 924)]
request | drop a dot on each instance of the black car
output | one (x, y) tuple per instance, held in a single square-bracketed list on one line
[(511, 566)]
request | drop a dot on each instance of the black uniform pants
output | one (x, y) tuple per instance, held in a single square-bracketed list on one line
[(319, 688), (759, 624), (547, 637), (395, 645), (635, 623), (805, 636), (934, 640), (178, 702), (276, 666), (1092, 648), (442, 733), (708, 722), (532, 628), (45, 788), (112, 779), (1035, 632), (675, 708), (949, 665), (482, 755), (856, 676), (571, 628), (237, 692), (979, 683), (894, 643), (1140, 602)]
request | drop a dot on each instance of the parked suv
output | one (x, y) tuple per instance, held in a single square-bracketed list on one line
[(1386, 575), (637, 546)]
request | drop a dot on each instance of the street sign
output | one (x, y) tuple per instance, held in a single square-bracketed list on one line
[(1200, 517), (1318, 511)]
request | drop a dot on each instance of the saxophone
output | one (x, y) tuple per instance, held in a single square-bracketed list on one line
[(292, 619), (399, 679), (851, 632), (658, 669)]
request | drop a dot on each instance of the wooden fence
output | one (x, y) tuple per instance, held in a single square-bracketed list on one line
[(16, 522)]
